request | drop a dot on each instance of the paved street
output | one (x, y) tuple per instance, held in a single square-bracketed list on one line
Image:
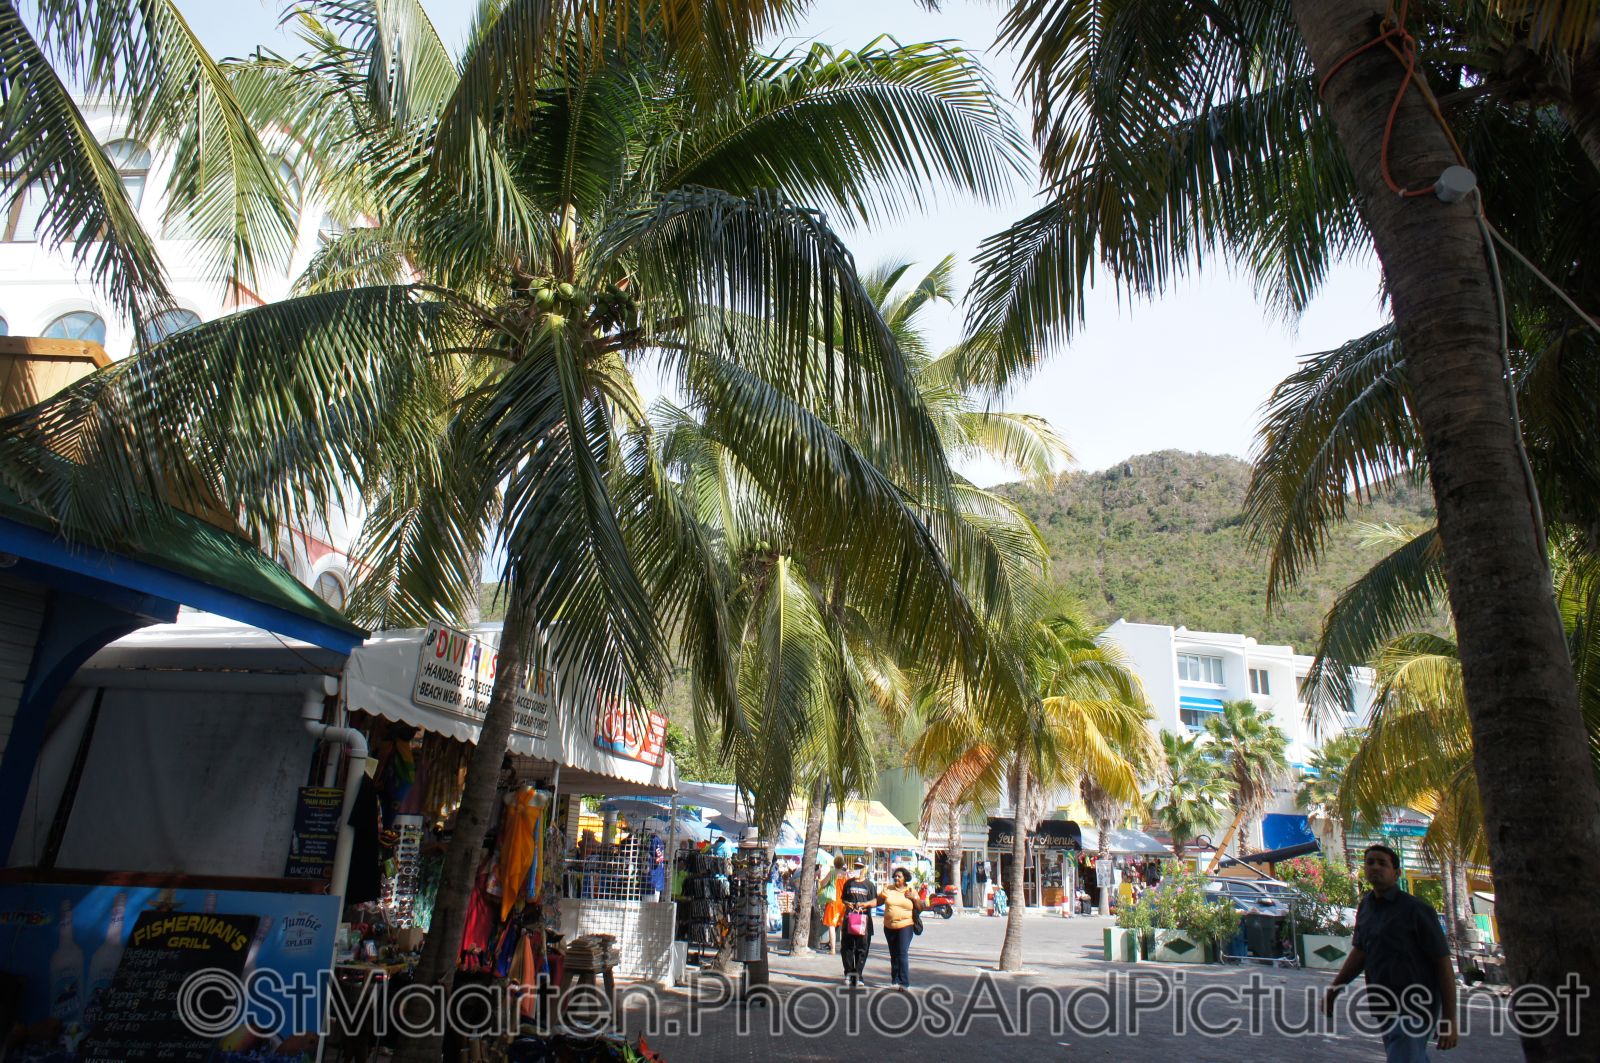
[(959, 1005)]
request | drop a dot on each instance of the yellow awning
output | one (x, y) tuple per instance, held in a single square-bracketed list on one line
[(863, 825)]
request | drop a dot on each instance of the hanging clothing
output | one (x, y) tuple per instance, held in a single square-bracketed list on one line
[(520, 848), (479, 928), (365, 880), (397, 779), (658, 865)]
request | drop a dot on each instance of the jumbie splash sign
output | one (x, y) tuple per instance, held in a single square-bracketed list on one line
[(456, 673), (624, 731)]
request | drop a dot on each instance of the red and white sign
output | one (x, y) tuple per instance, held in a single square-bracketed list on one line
[(624, 731)]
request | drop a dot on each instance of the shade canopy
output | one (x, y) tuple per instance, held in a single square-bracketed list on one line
[(1125, 841)]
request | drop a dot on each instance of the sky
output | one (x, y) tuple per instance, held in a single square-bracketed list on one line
[(1187, 371)]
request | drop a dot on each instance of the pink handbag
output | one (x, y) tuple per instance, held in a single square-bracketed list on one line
[(855, 923)]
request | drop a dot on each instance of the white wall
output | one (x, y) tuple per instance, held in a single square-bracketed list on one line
[(1149, 650), (201, 784)]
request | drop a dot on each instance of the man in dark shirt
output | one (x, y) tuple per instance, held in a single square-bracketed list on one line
[(1400, 946)]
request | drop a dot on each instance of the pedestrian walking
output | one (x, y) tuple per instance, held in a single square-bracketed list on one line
[(859, 898), (833, 906), (1400, 946), (900, 907)]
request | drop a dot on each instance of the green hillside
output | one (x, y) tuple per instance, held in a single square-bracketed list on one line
[(1159, 539)]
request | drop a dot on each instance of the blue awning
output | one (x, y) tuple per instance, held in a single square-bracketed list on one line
[(1200, 704), (1280, 830)]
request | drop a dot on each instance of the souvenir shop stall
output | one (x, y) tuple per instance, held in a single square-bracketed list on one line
[(422, 694)]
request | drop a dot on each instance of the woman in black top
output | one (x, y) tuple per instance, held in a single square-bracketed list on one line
[(859, 897)]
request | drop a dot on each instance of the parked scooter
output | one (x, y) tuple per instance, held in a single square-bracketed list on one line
[(945, 902)]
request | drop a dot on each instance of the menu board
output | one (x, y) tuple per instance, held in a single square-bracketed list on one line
[(316, 833), (138, 1017)]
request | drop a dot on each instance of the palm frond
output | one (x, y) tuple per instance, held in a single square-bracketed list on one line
[(1338, 428), (268, 413), (48, 151), (868, 133), (1402, 592)]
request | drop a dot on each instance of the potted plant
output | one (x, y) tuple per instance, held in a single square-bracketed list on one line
[(1188, 926), (1324, 901), (1125, 942)]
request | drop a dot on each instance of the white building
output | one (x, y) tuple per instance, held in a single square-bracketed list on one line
[(41, 294), (1189, 674)]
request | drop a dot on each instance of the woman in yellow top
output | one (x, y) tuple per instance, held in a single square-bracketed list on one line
[(900, 907)]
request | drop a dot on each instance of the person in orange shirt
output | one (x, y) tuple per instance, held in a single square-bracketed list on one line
[(900, 907)]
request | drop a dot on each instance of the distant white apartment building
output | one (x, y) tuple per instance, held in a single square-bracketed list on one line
[(1189, 674), (42, 295)]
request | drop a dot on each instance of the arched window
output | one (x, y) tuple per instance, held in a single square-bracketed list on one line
[(330, 588), (328, 230), (173, 321), (23, 216), (132, 160), (77, 325)]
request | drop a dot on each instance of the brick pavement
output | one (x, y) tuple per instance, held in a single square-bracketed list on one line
[(960, 1005)]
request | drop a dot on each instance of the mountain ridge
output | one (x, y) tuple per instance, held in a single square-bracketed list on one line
[(1159, 538)]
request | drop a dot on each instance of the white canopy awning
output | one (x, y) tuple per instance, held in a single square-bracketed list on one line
[(1124, 842), (440, 679)]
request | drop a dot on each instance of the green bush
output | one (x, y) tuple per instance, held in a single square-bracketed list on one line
[(1180, 904), (1322, 888)]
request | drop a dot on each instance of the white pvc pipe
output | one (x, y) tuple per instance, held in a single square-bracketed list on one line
[(355, 744)]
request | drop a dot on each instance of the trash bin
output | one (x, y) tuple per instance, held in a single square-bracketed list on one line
[(1261, 935)]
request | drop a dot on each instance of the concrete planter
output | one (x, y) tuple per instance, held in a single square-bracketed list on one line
[(1324, 951), (1121, 946), (1178, 946)]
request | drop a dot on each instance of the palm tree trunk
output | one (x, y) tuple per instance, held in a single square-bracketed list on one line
[(1581, 108), (805, 890), (1531, 750), (1011, 949), (438, 962), (952, 845), (1460, 910)]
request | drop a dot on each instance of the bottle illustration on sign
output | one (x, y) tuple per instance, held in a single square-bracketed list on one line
[(103, 964), (248, 1036), (66, 975)]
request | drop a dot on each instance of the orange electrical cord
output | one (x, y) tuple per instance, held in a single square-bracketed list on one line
[(1406, 52)]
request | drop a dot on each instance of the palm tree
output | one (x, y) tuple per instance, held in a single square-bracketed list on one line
[(826, 743), (1084, 706), (1250, 751), (145, 60), (1190, 798), (1320, 787), (1170, 130), (629, 216)]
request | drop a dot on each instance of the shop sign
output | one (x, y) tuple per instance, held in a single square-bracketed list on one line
[(456, 672), (1404, 823), (1052, 835), (316, 833), (100, 968), (623, 731)]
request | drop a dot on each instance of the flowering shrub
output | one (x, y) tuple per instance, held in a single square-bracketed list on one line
[(1180, 903), (1323, 888)]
